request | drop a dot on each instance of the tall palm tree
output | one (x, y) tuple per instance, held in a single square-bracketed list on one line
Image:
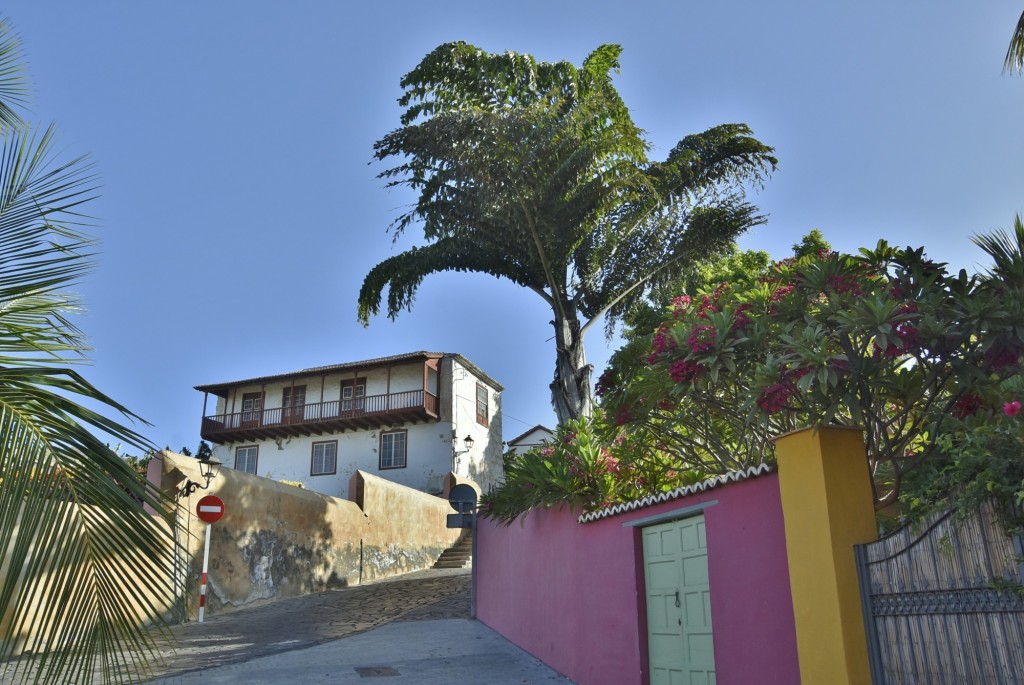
[(535, 172), (79, 557)]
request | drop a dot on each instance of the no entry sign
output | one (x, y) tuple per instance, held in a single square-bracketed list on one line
[(210, 509)]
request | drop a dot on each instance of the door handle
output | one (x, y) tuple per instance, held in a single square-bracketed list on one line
[(677, 600)]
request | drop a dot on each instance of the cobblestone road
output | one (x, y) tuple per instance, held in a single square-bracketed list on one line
[(284, 625)]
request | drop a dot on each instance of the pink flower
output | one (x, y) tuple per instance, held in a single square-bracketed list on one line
[(662, 343), (679, 306), (845, 284), (706, 305), (685, 372), (742, 320), (1011, 408), (604, 383), (702, 338), (781, 292), (1000, 357), (773, 398), (967, 405)]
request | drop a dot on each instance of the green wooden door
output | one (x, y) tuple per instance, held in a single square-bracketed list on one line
[(678, 603)]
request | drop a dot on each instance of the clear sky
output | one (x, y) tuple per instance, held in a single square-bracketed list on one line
[(240, 209)]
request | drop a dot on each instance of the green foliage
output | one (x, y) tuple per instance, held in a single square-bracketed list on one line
[(729, 265), (70, 507), (812, 244), (535, 172), (885, 340), (978, 458), (580, 468), (203, 451), (140, 465)]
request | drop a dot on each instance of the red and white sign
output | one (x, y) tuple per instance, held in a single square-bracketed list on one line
[(210, 509)]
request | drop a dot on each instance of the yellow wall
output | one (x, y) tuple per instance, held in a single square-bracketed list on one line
[(277, 540), (828, 508)]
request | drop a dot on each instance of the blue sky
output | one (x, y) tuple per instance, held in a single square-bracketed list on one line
[(240, 209)]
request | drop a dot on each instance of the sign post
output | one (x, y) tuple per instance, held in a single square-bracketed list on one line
[(209, 510)]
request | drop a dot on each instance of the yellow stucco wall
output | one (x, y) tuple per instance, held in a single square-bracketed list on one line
[(277, 540), (828, 508)]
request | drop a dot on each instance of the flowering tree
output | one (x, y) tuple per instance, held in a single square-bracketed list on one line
[(928, 363), (885, 340), (582, 469)]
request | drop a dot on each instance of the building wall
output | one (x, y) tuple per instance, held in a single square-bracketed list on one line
[(428, 458), (429, 454), (402, 378), (537, 437), (278, 541), (573, 594), (483, 463)]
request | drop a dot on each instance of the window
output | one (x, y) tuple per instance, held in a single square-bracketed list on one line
[(294, 404), (325, 458), (245, 458), (481, 404), (392, 450), (352, 394), (252, 404)]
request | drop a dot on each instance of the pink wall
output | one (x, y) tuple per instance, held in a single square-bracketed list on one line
[(572, 594)]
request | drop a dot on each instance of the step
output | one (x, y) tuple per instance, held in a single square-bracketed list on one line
[(459, 555)]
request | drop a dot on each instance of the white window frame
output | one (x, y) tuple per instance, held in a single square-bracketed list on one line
[(389, 459), (328, 462), (353, 395), (243, 452)]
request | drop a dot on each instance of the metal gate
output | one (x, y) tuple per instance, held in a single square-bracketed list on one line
[(944, 602)]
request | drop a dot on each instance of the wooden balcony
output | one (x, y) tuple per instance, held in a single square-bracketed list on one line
[(337, 416)]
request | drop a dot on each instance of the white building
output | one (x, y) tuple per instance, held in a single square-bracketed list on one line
[(410, 418), (538, 436)]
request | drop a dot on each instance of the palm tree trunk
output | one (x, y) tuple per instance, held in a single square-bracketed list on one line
[(571, 393)]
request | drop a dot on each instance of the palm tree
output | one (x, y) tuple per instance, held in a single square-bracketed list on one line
[(535, 172), (78, 554)]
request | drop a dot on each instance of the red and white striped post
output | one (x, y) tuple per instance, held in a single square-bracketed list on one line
[(209, 509), (205, 576)]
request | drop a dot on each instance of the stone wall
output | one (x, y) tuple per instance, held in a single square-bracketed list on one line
[(278, 541)]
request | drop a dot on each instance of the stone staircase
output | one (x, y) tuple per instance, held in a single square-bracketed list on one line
[(459, 555)]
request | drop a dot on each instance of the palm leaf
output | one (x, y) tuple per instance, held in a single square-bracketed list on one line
[(1015, 53), (80, 554), (1007, 252), (13, 84)]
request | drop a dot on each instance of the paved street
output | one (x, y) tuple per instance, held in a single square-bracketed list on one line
[(414, 628)]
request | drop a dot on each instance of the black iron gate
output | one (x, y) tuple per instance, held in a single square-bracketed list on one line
[(944, 602)]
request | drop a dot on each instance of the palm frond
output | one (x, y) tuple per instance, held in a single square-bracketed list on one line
[(1007, 252), (1015, 53), (84, 574), (14, 87)]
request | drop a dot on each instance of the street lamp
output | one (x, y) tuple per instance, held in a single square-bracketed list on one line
[(467, 441), (208, 470)]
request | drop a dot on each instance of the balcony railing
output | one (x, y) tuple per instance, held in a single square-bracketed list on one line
[(368, 412)]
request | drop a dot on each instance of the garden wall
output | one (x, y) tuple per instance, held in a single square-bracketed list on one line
[(573, 594), (277, 540)]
